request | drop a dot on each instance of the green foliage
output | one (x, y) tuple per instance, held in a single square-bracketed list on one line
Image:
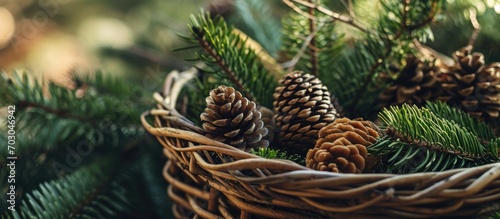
[(86, 193), (278, 154), (387, 39), (419, 140), (230, 60), (60, 133), (480, 129), (70, 114)]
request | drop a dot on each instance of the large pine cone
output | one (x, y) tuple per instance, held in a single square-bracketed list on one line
[(415, 84), (473, 86), (303, 106), (233, 119), (341, 146)]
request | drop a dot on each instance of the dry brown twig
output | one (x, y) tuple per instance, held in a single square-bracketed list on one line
[(475, 25), (335, 16)]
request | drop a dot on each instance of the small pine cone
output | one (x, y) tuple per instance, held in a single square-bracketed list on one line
[(233, 119), (303, 106), (473, 86), (416, 83), (341, 146)]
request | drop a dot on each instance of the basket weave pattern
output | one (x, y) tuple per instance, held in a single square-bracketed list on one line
[(210, 179)]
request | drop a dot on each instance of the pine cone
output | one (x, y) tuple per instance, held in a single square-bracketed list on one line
[(233, 119), (416, 83), (302, 105), (341, 146), (473, 86)]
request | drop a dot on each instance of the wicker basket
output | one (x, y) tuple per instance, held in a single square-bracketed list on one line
[(243, 185)]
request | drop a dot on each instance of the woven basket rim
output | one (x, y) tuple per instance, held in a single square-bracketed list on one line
[(463, 187)]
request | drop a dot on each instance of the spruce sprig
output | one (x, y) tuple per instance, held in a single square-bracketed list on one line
[(478, 128), (421, 126), (420, 140), (89, 192), (227, 56)]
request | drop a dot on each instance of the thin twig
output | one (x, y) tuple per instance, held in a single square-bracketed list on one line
[(312, 44), (336, 16), (299, 54), (349, 6), (475, 25)]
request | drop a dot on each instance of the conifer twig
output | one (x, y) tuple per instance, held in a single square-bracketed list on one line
[(475, 25), (389, 46), (58, 112), (220, 62)]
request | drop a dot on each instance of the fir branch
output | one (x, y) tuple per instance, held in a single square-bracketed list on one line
[(69, 116), (67, 197), (393, 34), (205, 45), (227, 55), (419, 140), (478, 128), (60, 113), (447, 144)]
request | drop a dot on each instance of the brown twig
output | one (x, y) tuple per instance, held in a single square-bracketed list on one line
[(475, 25), (299, 54), (312, 44), (335, 16)]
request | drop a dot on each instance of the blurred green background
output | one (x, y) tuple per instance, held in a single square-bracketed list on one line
[(51, 37)]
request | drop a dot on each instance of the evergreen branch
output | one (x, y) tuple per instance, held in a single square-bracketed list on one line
[(205, 45), (228, 56), (421, 126), (402, 157), (60, 113), (72, 118), (478, 128), (75, 195), (393, 31)]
